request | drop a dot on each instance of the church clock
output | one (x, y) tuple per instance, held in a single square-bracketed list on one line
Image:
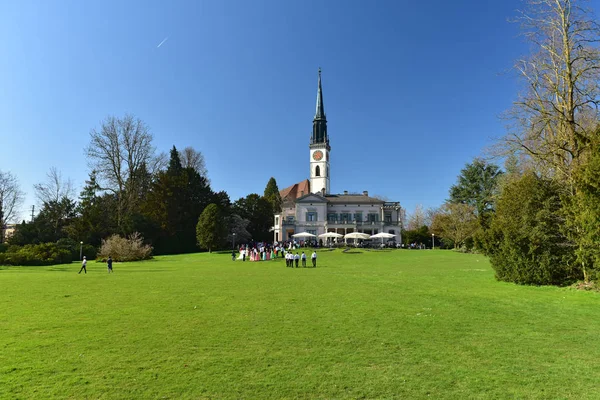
[(318, 155)]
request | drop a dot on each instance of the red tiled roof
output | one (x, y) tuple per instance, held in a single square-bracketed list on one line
[(299, 189)]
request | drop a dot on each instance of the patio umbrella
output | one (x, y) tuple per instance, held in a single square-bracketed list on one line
[(330, 235), (304, 235), (383, 235), (357, 235)]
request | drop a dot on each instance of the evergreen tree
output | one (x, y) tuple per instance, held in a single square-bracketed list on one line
[(258, 211), (211, 229), (476, 186), (272, 195), (175, 167)]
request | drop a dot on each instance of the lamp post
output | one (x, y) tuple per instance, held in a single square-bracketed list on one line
[(233, 240), (80, 250), (433, 241)]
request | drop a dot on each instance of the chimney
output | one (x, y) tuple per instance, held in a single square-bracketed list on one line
[(365, 193), (345, 192)]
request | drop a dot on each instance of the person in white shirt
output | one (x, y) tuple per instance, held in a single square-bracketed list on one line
[(313, 257), (303, 257), (297, 259)]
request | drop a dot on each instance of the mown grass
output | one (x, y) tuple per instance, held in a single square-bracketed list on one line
[(368, 324)]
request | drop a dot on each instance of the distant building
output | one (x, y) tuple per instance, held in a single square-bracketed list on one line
[(7, 231), (307, 206)]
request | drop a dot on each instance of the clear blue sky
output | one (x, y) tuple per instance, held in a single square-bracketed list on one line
[(412, 90)]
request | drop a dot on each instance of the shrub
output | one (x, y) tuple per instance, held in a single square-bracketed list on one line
[(524, 242), (3, 247), (38, 254), (125, 249)]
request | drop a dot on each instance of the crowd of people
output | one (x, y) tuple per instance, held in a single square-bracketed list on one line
[(262, 251)]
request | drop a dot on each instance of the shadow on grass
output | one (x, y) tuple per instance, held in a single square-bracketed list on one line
[(350, 251)]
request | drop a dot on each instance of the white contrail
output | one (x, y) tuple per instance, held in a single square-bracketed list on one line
[(161, 43)]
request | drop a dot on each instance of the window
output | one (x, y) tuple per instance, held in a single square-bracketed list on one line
[(313, 231), (332, 217), (318, 171), (311, 216), (358, 216), (391, 231), (388, 217), (372, 217), (277, 236), (345, 217), (276, 220)]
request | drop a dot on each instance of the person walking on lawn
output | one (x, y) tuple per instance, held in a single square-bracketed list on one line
[(83, 265)]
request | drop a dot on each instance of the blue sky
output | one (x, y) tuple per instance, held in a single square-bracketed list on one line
[(412, 90)]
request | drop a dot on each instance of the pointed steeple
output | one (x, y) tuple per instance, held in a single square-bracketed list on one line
[(319, 134), (320, 112)]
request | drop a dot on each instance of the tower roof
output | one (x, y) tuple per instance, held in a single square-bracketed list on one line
[(320, 110)]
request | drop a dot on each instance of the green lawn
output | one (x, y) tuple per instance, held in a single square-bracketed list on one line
[(365, 324)]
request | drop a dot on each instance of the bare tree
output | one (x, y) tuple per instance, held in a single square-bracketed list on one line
[(117, 152), (417, 219), (554, 115), (11, 198), (55, 188), (191, 158)]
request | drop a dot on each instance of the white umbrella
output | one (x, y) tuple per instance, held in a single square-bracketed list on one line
[(383, 235), (357, 235), (330, 235), (304, 235)]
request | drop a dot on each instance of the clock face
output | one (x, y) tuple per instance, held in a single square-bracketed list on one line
[(317, 155)]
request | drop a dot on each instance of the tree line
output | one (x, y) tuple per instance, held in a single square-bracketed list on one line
[(538, 220), (133, 189)]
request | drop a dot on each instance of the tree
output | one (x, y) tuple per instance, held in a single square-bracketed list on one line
[(175, 168), (95, 217), (191, 158), (55, 187), (171, 209), (553, 117), (455, 223), (238, 226), (258, 211), (211, 228), (116, 152), (55, 196), (582, 212), (476, 186), (11, 199), (525, 241), (417, 219), (272, 195)]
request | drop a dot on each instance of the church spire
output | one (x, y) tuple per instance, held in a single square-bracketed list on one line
[(320, 112), (319, 134)]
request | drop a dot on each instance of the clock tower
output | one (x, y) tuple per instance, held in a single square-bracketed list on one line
[(319, 147)]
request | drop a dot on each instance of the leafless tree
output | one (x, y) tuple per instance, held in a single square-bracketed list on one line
[(417, 219), (554, 115), (191, 158), (55, 188), (11, 198), (117, 151)]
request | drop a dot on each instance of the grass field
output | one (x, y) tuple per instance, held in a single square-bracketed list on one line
[(364, 324)]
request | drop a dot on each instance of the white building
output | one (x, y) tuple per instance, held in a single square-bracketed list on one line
[(308, 206)]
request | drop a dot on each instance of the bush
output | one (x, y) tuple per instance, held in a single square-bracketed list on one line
[(3, 247), (524, 242), (38, 254), (125, 249)]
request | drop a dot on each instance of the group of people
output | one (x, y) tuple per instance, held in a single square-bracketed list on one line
[(83, 268), (266, 252), (292, 260)]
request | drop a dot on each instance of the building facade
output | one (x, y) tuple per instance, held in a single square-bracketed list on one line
[(308, 206)]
